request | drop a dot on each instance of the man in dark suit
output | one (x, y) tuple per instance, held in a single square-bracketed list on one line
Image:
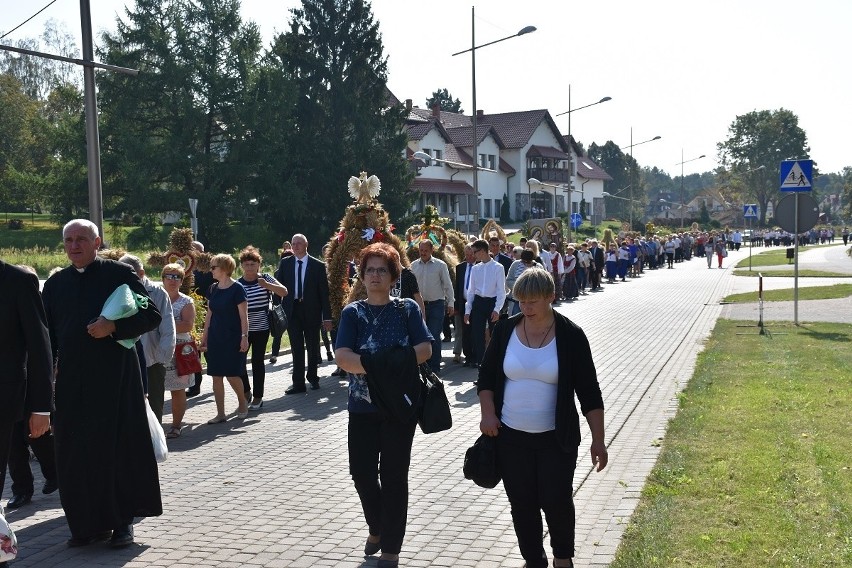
[(307, 308), (26, 363), (596, 270), (497, 254), (462, 344)]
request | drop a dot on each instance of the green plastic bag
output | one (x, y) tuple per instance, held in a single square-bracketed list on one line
[(123, 303)]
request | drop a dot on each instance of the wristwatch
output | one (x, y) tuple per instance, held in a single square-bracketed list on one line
[(244, 335)]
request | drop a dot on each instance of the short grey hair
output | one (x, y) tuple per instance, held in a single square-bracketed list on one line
[(85, 223), (133, 262), (533, 284), (198, 245)]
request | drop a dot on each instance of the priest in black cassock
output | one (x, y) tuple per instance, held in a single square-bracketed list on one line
[(105, 461)]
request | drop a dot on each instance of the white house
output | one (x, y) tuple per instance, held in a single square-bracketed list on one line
[(512, 148)]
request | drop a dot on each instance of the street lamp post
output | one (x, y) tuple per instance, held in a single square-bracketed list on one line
[(630, 153), (472, 50), (682, 162), (570, 156)]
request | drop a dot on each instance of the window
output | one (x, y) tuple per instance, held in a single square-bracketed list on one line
[(498, 203), (427, 151), (483, 161), (487, 212), (438, 154), (492, 161)]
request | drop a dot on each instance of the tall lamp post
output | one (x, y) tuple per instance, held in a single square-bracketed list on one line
[(630, 153), (472, 50), (533, 181), (682, 162), (570, 156)]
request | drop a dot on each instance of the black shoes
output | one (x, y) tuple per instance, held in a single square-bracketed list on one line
[(370, 548), (49, 486), (296, 390), (273, 360), (76, 541), (121, 537), (19, 500), (329, 356), (314, 384), (194, 391), (338, 373)]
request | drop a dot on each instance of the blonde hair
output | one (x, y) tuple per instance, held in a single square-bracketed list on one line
[(533, 245), (175, 267), (535, 283), (225, 262)]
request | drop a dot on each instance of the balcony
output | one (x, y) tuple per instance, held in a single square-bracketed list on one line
[(550, 175)]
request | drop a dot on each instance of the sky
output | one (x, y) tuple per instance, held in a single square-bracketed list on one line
[(682, 70)]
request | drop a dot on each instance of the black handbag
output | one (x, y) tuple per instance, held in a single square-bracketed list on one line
[(480, 462), (434, 415), (277, 320)]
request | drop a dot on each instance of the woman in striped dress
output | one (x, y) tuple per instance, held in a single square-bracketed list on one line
[(259, 289)]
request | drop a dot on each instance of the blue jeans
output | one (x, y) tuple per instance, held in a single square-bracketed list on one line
[(435, 323)]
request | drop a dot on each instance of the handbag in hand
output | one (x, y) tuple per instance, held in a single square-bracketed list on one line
[(434, 415), (277, 320), (480, 462), (187, 360)]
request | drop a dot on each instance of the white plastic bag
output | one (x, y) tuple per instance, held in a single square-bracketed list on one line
[(8, 542), (158, 437)]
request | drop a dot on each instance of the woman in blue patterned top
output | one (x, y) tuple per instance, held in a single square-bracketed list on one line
[(371, 326)]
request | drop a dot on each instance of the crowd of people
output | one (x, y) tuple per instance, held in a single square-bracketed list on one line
[(498, 304)]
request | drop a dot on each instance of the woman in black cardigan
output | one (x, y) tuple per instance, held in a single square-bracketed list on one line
[(534, 365)]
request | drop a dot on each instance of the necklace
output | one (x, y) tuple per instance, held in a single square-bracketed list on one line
[(376, 317), (546, 333)]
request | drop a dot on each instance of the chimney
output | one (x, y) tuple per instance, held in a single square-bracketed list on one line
[(480, 113), (408, 104), (436, 111)]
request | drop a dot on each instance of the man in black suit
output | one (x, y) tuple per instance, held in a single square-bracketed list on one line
[(462, 344), (26, 363), (596, 270), (307, 308), (497, 254)]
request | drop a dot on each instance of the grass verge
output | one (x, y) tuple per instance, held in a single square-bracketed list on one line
[(789, 273), (755, 468), (786, 295)]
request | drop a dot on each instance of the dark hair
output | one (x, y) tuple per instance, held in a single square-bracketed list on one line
[(527, 256), (480, 244), (383, 251), (251, 254)]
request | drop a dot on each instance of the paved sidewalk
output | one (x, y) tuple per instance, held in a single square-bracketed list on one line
[(274, 490)]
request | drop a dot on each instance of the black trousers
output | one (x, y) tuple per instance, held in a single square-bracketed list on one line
[(257, 344), (480, 316), (537, 475), (303, 332), (379, 456), (19, 458)]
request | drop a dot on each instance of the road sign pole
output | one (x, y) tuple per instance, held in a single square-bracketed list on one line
[(796, 264), (750, 241)]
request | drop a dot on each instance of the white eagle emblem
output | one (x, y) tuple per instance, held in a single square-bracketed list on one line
[(364, 189)]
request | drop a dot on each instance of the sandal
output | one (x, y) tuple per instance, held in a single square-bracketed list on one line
[(216, 420), (173, 433)]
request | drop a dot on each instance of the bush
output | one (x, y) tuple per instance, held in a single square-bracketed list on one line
[(16, 224)]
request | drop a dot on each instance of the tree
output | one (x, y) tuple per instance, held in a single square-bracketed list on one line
[(762, 138), (445, 101), (334, 57), (176, 130)]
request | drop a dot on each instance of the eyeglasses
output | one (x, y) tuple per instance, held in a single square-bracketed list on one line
[(172, 276), (381, 271)]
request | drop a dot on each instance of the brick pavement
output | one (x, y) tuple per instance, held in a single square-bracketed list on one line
[(274, 491)]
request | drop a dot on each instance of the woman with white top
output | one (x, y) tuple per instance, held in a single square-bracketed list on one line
[(534, 365), (183, 311)]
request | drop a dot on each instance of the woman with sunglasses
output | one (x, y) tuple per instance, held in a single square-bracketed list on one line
[(225, 337), (183, 311)]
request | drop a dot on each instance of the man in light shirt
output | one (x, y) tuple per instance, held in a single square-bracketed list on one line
[(486, 294), (436, 289)]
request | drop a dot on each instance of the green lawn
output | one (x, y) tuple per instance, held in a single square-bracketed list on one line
[(756, 468), (806, 293), (789, 273)]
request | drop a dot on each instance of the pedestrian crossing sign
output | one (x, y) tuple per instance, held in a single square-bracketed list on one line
[(796, 175), (750, 211)]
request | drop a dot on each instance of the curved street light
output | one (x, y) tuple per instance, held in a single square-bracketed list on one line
[(681, 163), (472, 50)]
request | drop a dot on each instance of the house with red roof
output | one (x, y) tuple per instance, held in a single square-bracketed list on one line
[(511, 149)]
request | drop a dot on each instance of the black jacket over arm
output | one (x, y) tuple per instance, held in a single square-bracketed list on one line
[(576, 375)]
